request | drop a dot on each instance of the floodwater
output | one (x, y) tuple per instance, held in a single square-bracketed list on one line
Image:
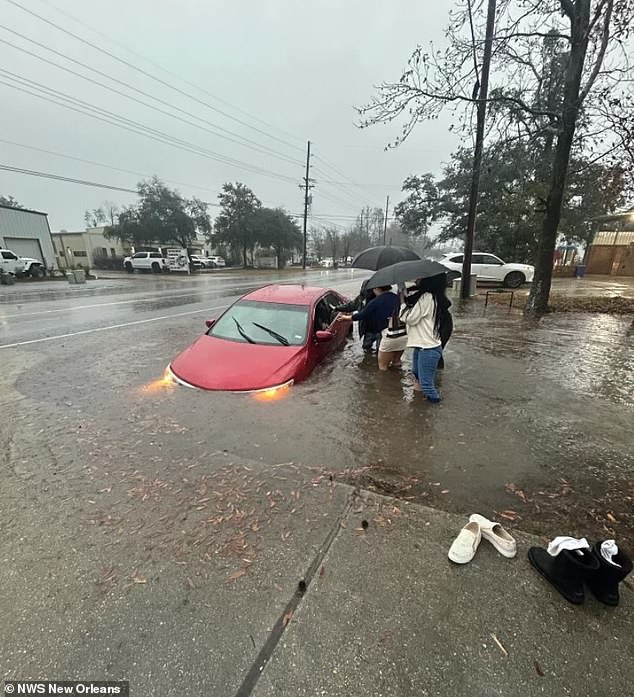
[(536, 419)]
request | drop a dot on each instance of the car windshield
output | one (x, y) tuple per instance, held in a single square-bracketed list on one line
[(263, 323)]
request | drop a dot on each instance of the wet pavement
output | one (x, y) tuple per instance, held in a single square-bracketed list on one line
[(535, 428)]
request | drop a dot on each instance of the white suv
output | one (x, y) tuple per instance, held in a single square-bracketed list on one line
[(218, 262), (145, 261), (488, 267), (10, 262)]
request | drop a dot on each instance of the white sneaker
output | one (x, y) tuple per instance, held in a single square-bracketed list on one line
[(465, 545), (496, 535)]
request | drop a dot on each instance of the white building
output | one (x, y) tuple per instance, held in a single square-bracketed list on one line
[(85, 247), (27, 234)]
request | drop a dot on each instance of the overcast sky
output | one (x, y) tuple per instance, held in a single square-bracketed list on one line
[(288, 68)]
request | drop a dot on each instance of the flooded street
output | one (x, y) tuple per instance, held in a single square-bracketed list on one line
[(526, 408)]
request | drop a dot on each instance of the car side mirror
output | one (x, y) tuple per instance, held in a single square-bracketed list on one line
[(323, 337), (210, 323)]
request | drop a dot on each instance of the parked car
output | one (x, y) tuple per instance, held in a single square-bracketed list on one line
[(10, 262), (265, 342), (32, 267), (145, 261), (199, 262), (488, 267), (218, 262)]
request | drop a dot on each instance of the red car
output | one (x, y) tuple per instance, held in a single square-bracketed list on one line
[(264, 342)]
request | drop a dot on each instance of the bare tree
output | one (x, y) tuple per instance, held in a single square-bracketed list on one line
[(558, 68)]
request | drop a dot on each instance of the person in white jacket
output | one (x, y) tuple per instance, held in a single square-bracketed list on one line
[(422, 313)]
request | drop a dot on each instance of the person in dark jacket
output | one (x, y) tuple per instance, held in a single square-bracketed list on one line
[(375, 316), (365, 296)]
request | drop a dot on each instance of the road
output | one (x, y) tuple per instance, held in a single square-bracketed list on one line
[(31, 315)]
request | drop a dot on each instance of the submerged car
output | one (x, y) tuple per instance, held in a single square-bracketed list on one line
[(265, 342), (489, 268)]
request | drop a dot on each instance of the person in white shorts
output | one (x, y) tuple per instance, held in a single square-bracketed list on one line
[(393, 343)]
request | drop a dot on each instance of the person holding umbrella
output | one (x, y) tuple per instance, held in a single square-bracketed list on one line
[(426, 312), (375, 315)]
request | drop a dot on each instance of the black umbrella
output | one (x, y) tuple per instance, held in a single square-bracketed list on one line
[(406, 271), (380, 257)]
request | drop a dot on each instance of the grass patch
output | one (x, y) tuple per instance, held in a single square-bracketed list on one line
[(565, 303)]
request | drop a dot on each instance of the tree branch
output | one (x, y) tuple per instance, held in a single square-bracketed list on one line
[(605, 38), (568, 7), (532, 34)]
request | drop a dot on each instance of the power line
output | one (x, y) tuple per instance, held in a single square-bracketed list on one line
[(349, 199), (337, 171), (101, 164), (59, 177), (329, 222), (252, 145), (335, 199), (146, 73), (162, 68), (129, 125)]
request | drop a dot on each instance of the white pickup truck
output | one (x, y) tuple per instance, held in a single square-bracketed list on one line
[(10, 262), (146, 261)]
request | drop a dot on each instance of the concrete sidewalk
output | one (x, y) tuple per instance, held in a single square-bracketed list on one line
[(392, 616), (185, 580)]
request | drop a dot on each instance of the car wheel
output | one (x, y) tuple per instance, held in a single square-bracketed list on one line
[(515, 279), (128, 267), (36, 272), (156, 268), (451, 277)]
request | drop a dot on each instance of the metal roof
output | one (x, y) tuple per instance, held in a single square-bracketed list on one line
[(22, 210)]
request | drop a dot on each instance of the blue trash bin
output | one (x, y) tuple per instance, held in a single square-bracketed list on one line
[(580, 271)]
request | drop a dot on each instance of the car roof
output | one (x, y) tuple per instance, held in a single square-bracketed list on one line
[(287, 294), (451, 254)]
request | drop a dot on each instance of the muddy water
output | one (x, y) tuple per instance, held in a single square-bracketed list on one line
[(541, 407)]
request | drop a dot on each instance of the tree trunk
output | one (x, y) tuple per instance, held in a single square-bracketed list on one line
[(540, 291), (244, 255)]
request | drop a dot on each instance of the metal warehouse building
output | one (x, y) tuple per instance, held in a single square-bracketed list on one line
[(27, 234)]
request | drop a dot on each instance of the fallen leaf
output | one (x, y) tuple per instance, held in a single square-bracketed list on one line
[(190, 583), (287, 618), (445, 491), (139, 579), (508, 515), (277, 587), (322, 571), (611, 518), (499, 645), (539, 670), (237, 574)]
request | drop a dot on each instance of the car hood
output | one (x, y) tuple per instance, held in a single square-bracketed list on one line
[(218, 364)]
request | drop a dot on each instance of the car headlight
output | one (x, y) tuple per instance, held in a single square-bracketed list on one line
[(271, 394), (170, 378)]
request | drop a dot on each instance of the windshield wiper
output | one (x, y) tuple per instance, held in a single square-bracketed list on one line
[(243, 334), (282, 339)]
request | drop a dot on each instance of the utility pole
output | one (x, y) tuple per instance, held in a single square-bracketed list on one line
[(477, 155), (387, 208), (306, 188)]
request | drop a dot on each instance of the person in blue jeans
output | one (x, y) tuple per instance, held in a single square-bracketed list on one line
[(422, 312)]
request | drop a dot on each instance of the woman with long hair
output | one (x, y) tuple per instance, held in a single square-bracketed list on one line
[(424, 312)]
